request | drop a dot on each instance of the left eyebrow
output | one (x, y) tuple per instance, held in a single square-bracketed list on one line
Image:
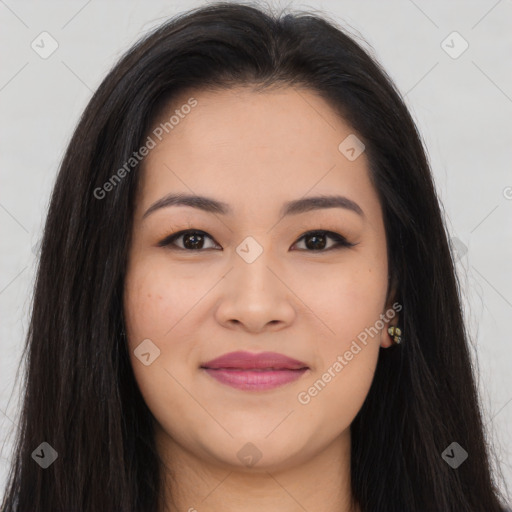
[(294, 207)]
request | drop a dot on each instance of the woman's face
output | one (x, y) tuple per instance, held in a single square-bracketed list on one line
[(251, 282)]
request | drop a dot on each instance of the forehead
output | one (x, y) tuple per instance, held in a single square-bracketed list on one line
[(251, 149)]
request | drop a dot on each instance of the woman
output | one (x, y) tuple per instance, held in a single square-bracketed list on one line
[(246, 297)]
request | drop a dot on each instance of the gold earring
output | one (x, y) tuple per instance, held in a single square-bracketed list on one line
[(396, 334)]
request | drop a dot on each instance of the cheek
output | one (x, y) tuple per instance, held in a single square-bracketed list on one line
[(347, 360), (154, 301), (337, 394), (345, 300), (157, 301), (351, 304)]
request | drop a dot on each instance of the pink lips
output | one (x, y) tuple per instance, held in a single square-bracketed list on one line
[(266, 370)]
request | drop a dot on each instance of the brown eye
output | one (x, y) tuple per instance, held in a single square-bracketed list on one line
[(317, 241), (193, 240)]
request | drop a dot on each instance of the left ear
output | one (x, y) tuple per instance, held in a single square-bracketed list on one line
[(391, 317), (386, 340)]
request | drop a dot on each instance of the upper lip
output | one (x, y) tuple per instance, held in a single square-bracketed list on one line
[(250, 361)]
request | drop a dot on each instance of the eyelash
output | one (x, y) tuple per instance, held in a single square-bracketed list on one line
[(341, 242)]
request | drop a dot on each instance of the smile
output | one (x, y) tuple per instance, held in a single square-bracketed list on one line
[(254, 371), (255, 379)]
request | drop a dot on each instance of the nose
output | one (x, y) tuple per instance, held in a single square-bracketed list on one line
[(256, 297)]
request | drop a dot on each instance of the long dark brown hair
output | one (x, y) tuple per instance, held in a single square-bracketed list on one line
[(80, 395)]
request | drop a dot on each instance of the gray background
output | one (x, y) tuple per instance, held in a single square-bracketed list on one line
[(462, 107)]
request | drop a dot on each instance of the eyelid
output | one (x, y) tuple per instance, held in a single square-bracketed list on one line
[(169, 239), (341, 241)]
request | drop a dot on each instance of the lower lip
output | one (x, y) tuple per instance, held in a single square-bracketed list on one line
[(252, 380)]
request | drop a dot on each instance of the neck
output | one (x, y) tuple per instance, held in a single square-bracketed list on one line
[(320, 483)]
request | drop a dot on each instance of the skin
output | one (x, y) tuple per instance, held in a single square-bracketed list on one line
[(255, 151)]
